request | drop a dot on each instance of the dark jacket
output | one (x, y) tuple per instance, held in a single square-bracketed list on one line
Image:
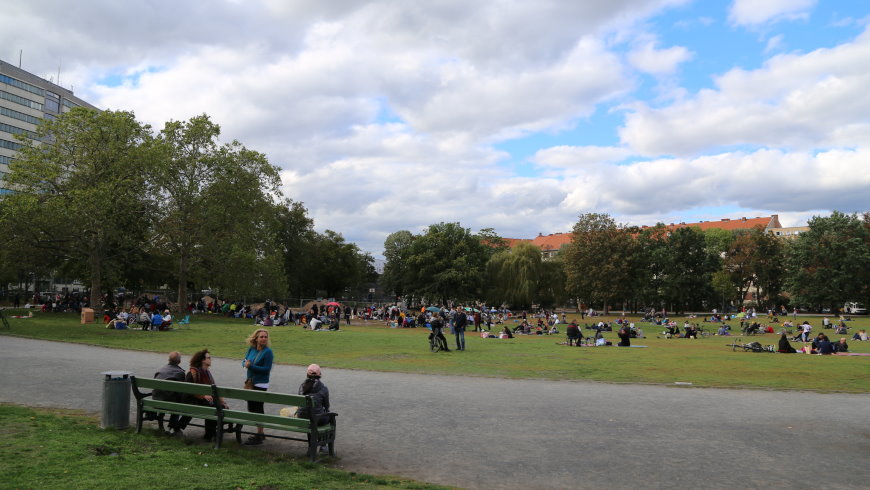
[(460, 322), (320, 396), (170, 372)]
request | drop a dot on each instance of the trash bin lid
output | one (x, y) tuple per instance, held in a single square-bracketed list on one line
[(116, 374)]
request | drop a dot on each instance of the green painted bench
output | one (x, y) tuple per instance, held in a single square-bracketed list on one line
[(304, 430)]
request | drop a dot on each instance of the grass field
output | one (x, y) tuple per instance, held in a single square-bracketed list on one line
[(707, 362), (42, 448)]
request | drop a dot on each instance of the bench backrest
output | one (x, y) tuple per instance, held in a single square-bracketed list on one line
[(176, 386), (263, 396)]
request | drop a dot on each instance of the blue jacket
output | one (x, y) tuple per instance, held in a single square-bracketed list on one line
[(261, 364)]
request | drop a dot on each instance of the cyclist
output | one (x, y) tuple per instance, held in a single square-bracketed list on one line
[(437, 334)]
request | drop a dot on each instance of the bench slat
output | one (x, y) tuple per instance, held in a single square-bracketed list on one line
[(176, 386), (249, 418), (262, 396), (195, 411)]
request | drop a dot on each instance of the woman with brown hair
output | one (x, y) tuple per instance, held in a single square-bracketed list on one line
[(200, 372), (258, 362)]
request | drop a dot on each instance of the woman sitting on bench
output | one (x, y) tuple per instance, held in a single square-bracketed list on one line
[(200, 373)]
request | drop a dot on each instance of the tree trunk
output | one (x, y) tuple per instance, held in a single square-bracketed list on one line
[(96, 281), (182, 283)]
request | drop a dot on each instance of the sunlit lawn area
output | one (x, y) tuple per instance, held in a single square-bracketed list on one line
[(372, 346)]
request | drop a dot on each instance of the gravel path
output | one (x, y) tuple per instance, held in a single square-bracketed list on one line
[(501, 433)]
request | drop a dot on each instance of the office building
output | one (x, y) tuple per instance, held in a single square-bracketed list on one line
[(26, 100)]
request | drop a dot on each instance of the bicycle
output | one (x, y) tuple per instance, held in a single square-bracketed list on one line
[(434, 343)]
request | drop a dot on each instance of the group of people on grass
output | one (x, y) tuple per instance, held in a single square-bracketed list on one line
[(257, 364), (138, 316), (820, 344)]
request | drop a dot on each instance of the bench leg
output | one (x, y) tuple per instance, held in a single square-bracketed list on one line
[(138, 419), (312, 447)]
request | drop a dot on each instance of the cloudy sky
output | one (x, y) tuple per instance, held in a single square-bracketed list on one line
[(511, 114)]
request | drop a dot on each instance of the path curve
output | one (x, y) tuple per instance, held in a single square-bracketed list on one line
[(501, 433)]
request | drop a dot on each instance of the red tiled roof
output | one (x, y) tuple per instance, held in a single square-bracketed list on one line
[(555, 241)]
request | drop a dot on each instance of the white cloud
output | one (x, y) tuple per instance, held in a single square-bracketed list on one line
[(649, 59), (754, 12), (579, 157), (797, 101), (773, 43)]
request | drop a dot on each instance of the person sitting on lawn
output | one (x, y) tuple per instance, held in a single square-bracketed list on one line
[(624, 337), (167, 321), (506, 333), (860, 335), (723, 330), (574, 334), (156, 321), (841, 346), (784, 345), (824, 347)]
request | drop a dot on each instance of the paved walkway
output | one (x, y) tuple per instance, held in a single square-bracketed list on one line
[(499, 433)]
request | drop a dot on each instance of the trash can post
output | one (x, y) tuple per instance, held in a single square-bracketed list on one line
[(116, 400)]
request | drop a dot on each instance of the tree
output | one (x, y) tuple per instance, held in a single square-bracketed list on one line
[(599, 260), (340, 265), (295, 236), (447, 262), (519, 277), (81, 194), (397, 276), (830, 263), (212, 202), (515, 276), (688, 269)]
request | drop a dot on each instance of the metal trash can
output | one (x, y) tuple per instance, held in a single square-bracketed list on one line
[(116, 400)]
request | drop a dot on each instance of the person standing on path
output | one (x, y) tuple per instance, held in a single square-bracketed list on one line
[(460, 321), (258, 362)]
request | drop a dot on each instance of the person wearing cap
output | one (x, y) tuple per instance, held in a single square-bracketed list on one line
[(167, 320), (319, 393)]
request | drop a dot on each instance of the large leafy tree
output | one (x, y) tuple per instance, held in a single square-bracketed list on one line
[(397, 276), (213, 204), (599, 261), (447, 262), (340, 265), (688, 268), (295, 236), (81, 193), (830, 263)]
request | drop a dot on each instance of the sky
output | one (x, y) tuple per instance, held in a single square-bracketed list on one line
[(513, 115)]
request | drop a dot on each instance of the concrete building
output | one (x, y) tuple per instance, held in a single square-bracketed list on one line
[(26, 100)]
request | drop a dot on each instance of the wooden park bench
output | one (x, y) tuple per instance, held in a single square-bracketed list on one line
[(301, 429)]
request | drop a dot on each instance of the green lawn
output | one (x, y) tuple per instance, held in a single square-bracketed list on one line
[(42, 448), (702, 362)]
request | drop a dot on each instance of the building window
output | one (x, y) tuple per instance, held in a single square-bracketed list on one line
[(20, 100), (11, 145), (4, 160), (52, 102), (16, 130), (19, 115), (69, 103), (33, 89)]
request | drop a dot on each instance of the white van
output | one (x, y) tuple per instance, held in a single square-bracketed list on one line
[(854, 308)]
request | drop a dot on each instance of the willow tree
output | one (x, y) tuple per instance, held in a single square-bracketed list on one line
[(515, 276)]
